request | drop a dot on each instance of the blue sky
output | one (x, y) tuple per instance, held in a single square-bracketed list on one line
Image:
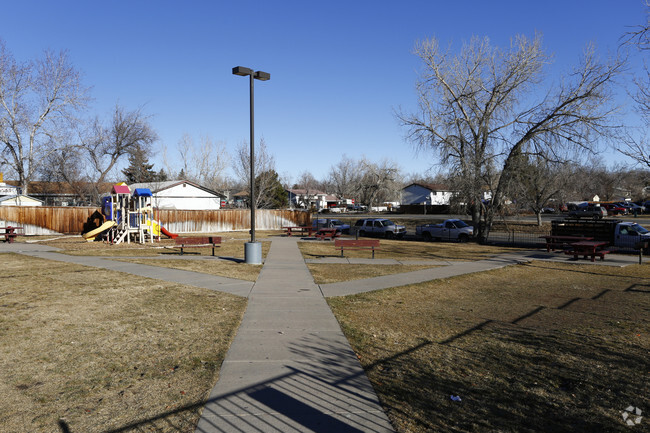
[(338, 69)]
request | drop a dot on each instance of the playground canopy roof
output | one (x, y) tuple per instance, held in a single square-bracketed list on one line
[(142, 192), (120, 189)]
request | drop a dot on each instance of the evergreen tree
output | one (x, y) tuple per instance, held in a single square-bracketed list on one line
[(162, 175), (139, 169), (269, 191)]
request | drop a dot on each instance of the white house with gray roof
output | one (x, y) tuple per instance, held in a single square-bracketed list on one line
[(182, 195)]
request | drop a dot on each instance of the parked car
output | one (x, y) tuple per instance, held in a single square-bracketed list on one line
[(646, 204), (635, 208), (614, 209), (452, 229), (594, 212), (379, 227), (339, 225)]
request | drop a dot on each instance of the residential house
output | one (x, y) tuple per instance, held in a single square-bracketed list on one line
[(182, 194), (426, 194), (19, 200), (311, 199)]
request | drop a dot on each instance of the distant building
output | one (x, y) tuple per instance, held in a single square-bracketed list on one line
[(181, 194), (426, 194), (63, 193), (308, 199), (8, 189), (19, 200)]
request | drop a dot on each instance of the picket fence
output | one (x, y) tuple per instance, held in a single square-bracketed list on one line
[(48, 220)]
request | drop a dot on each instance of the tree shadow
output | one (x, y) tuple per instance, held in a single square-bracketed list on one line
[(325, 392)]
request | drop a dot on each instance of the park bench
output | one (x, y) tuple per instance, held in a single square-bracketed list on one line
[(194, 242), (10, 233), (327, 233), (357, 244)]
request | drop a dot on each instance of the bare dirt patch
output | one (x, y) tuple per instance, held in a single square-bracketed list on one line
[(528, 348), (102, 350)]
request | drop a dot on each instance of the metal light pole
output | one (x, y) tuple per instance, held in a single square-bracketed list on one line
[(253, 249)]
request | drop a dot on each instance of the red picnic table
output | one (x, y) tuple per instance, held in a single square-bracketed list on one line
[(588, 249), (301, 229), (10, 233), (327, 233), (553, 242)]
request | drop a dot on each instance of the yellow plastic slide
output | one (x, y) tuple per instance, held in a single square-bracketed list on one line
[(90, 236), (155, 227)]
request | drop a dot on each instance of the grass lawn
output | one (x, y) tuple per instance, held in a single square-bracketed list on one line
[(222, 268), (407, 250), (101, 349), (329, 273), (232, 246), (528, 348)]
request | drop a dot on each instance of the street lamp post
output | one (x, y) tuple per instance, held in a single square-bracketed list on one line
[(252, 249)]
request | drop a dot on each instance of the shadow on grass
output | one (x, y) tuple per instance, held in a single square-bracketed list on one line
[(327, 392), (509, 378), (577, 270)]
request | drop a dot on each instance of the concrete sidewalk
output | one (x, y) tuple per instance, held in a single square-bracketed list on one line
[(197, 279), (290, 368)]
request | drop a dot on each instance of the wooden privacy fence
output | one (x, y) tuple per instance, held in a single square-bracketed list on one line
[(43, 220)]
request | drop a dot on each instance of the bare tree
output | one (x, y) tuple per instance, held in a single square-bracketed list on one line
[(637, 147), (264, 163), (480, 110), (38, 104), (105, 145), (378, 182), (344, 177), (204, 164), (538, 180)]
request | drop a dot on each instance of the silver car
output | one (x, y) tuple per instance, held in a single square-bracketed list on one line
[(379, 227)]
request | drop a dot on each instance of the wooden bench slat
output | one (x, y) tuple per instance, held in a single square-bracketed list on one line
[(357, 244), (201, 241)]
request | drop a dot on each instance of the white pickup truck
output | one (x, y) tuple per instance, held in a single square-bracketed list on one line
[(452, 229)]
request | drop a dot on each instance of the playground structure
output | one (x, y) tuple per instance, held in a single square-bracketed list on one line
[(127, 216)]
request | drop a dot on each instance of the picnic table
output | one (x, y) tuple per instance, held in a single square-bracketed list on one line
[(588, 249), (327, 233), (302, 229), (561, 242), (10, 233)]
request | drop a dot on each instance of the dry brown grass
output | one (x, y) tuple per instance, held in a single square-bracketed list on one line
[(232, 246), (101, 349), (407, 250), (222, 268), (334, 273), (528, 348)]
